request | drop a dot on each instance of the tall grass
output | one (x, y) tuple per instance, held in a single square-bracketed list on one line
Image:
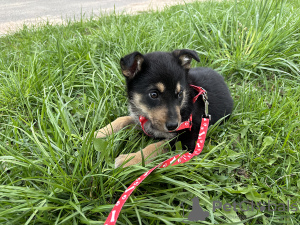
[(249, 36), (61, 83)]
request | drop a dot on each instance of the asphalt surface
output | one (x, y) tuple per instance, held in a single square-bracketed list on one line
[(15, 13)]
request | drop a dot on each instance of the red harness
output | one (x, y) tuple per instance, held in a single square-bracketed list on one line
[(178, 159)]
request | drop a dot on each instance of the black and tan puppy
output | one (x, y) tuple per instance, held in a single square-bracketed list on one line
[(158, 86)]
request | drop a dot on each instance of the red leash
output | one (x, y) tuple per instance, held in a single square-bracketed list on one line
[(178, 159)]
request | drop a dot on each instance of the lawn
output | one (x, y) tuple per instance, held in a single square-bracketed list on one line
[(61, 83)]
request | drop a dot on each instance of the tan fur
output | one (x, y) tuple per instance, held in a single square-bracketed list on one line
[(137, 100), (115, 126), (178, 88), (149, 153), (126, 73), (178, 114), (161, 87), (158, 118), (184, 99), (138, 60), (185, 61)]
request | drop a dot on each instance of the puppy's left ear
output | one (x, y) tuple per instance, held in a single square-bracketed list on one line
[(185, 57), (131, 64)]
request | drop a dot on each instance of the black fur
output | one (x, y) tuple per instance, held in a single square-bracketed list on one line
[(143, 72)]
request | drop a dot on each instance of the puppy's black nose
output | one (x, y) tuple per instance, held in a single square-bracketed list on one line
[(171, 126)]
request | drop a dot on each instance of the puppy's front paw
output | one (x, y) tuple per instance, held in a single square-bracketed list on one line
[(115, 126), (149, 153), (131, 158), (102, 133)]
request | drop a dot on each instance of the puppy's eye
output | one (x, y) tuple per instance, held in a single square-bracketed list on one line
[(153, 94), (180, 94)]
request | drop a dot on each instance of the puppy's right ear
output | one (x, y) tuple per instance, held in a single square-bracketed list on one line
[(131, 64), (185, 57)]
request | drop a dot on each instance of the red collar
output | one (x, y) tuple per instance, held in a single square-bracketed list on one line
[(184, 125)]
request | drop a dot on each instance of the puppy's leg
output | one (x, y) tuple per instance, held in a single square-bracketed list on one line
[(114, 126), (148, 153)]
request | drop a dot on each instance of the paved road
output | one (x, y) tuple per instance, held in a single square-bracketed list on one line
[(14, 13)]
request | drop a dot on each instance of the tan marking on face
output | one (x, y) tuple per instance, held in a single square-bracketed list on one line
[(137, 101), (184, 99), (178, 114), (161, 87), (178, 88), (158, 117)]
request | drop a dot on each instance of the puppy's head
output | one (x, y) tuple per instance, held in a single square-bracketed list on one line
[(157, 86)]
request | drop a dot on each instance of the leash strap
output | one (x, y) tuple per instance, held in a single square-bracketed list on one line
[(178, 159), (200, 90)]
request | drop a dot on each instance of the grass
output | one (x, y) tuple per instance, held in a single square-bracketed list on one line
[(60, 83)]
